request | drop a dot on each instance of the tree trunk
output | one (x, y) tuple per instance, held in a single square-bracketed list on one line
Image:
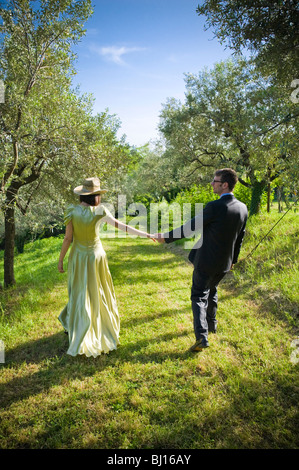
[(9, 250), (9, 278), (268, 197), (9, 216), (256, 197), (285, 198), (279, 198)]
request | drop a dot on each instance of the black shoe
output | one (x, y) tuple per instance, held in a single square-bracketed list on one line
[(199, 345)]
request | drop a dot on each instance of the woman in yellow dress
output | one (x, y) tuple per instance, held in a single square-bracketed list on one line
[(90, 317)]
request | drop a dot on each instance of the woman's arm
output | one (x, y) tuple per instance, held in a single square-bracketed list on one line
[(126, 228), (68, 238)]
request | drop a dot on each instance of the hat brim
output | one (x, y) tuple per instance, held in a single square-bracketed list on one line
[(83, 192)]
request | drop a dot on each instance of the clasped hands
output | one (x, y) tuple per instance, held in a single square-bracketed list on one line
[(157, 237)]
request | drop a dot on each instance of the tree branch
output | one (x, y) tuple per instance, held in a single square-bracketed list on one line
[(247, 185), (284, 120), (11, 167), (24, 209)]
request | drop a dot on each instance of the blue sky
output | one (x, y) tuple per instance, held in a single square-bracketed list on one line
[(134, 57)]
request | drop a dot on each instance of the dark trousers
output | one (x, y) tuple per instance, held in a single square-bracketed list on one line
[(204, 302)]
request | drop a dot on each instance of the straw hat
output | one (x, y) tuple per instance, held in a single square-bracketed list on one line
[(90, 186)]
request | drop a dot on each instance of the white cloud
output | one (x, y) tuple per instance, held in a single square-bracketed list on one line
[(115, 53)]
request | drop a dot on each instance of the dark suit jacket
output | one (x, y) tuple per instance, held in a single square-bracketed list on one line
[(223, 225)]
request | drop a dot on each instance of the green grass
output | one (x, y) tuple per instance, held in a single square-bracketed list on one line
[(242, 392)]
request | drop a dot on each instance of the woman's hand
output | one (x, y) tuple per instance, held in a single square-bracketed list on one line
[(60, 266), (150, 235)]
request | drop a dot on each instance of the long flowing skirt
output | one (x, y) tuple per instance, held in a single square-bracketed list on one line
[(91, 316)]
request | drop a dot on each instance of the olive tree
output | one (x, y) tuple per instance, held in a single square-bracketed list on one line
[(233, 117), (267, 28), (48, 134)]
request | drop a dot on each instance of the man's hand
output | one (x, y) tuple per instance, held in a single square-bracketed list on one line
[(159, 237)]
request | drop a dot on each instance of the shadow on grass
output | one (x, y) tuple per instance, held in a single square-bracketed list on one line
[(56, 366), (270, 301), (147, 318), (250, 404)]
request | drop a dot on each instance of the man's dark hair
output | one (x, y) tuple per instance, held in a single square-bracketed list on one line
[(89, 199), (229, 176)]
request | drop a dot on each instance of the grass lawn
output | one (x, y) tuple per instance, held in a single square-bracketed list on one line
[(240, 393)]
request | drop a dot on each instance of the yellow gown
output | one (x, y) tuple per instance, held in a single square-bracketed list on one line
[(91, 316)]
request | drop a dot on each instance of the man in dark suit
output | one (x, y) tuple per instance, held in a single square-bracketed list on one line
[(223, 227)]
